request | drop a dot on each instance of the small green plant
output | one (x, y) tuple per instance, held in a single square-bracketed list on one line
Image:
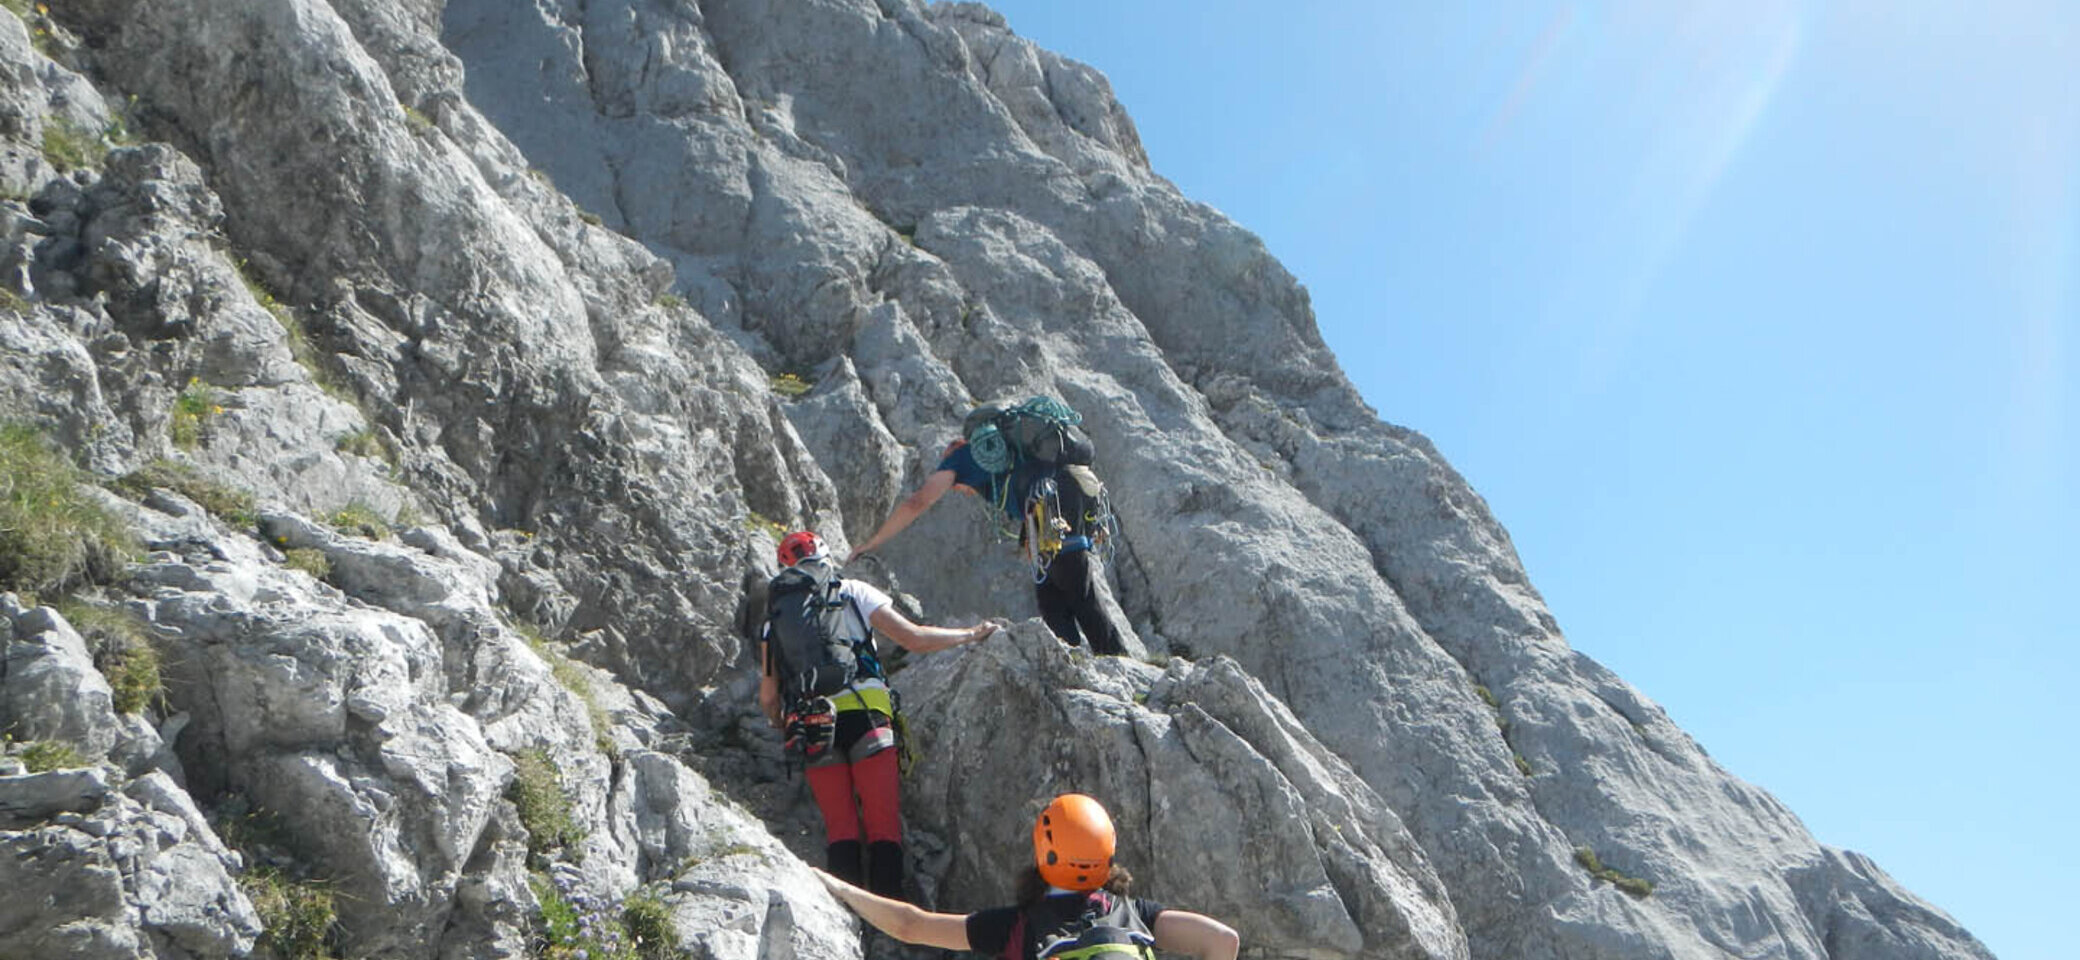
[(52, 535), (44, 756), (192, 409), (358, 519), (760, 523), (122, 651), (649, 925), (590, 218), (1487, 696), (13, 302), (789, 385), (297, 916), (233, 506), (418, 121), (69, 147), (1631, 885), (118, 131), (670, 301), (1523, 765), (370, 443), (309, 561), (545, 813), (575, 925)]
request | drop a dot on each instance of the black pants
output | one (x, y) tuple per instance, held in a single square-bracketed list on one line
[(1069, 603)]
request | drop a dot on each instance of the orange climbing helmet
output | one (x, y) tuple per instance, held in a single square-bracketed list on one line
[(798, 546), (1073, 842)]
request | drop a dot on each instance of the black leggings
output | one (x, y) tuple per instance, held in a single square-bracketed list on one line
[(1069, 600)]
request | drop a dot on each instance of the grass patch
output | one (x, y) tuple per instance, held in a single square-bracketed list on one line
[(13, 302), (1487, 696), (789, 385), (650, 930), (69, 146), (590, 218), (1523, 765), (358, 519), (574, 926), (670, 301), (370, 443), (297, 915), (235, 507), (192, 409), (122, 652), (52, 535), (545, 813), (309, 561), (43, 756), (417, 120), (760, 523), (1632, 885)]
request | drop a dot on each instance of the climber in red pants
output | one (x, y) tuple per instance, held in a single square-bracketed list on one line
[(822, 682)]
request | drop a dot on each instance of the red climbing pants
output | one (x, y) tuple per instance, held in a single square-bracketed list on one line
[(857, 788)]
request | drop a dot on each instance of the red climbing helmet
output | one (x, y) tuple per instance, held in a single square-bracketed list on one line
[(799, 546), (1073, 842)]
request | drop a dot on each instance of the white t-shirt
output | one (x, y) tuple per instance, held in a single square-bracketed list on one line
[(866, 596)]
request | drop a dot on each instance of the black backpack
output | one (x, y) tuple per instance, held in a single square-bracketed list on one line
[(819, 642), (1066, 929), (1042, 429)]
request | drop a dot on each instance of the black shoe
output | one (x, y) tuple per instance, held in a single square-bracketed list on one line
[(885, 869), (842, 859)]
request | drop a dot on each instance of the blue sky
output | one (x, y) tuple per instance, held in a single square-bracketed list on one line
[(1754, 322)]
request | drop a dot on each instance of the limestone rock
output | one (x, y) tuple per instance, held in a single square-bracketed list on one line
[(49, 688), (1226, 804), (520, 280)]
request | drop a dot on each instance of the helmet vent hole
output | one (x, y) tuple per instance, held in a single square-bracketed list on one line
[(1050, 858)]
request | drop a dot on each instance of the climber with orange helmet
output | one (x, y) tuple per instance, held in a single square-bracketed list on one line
[(1072, 903), (821, 681)]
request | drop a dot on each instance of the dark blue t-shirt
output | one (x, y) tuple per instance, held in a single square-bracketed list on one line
[(968, 473)]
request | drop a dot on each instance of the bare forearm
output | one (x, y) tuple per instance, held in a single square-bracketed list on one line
[(901, 920), (931, 639), (904, 514), (920, 638)]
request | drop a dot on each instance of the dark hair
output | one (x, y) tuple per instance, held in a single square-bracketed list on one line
[(1031, 886)]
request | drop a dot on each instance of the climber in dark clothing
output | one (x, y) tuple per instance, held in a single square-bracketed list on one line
[(1067, 591), (1072, 904)]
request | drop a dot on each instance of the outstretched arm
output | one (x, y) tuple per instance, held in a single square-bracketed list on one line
[(918, 638), (1182, 931), (907, 512), (947, 931)]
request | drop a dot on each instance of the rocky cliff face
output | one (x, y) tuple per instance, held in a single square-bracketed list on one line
[(442, 358)]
